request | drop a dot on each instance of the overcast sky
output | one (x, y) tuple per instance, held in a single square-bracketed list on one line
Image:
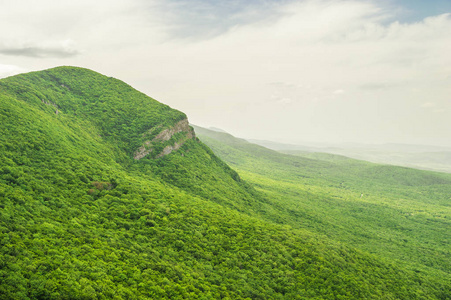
[(292, 71)]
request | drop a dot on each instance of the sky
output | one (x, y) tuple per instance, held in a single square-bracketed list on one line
[(328, 71)]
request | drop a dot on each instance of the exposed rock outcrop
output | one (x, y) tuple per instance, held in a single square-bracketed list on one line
[(166, 135)]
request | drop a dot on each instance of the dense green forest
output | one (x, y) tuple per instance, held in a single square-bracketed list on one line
[(83, 217), (398, 213)]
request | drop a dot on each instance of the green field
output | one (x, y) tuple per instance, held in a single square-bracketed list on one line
[(81, 218)]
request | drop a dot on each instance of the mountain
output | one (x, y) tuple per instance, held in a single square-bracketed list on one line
[(105, 193)]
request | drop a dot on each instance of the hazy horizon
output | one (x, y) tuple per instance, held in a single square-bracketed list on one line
[(326, 144), (315, 71)]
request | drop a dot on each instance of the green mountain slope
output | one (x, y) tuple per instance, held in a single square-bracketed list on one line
[(129, 123), (394, 212), (107, 194)]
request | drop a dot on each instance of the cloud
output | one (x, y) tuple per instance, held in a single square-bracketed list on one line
[(285, 101), (9, 70), (428, 105), (281, 100), (324, 45), (204, 19), (49, 29), (64, 50)]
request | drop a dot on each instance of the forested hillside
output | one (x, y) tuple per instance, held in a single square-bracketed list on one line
[(394, 212), (106, 193)]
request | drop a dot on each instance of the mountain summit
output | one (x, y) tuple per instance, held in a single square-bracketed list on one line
[(138, 123)]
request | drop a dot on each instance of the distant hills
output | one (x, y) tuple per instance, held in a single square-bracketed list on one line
[(217, 129), (105, 193), (424, 157)]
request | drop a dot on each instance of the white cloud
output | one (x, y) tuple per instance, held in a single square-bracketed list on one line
[(59, 49), (285, 101), (428, 105), (9, 70)]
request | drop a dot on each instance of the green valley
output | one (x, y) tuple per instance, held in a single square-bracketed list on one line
[(394, 212), (105, 193)]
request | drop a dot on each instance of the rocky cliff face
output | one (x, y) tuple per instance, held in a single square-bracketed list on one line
[(164, 136)]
